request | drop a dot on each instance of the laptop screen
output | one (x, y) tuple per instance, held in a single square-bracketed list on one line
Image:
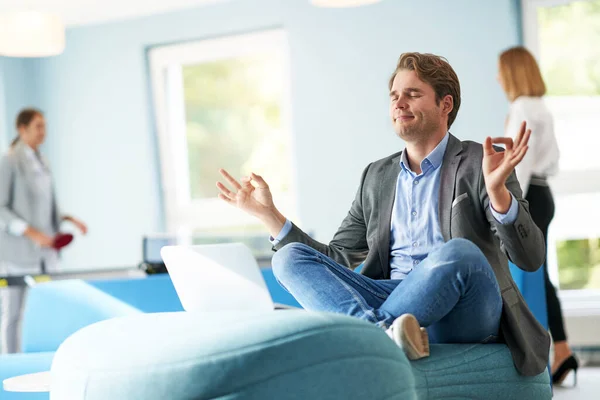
[(152, 246)]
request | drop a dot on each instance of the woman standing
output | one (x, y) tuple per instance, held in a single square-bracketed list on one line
[(520, 78), (29, 219)]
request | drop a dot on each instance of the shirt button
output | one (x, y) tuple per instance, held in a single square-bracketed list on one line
[(414, 213), (415, 262), (415, 244), (416, 182)]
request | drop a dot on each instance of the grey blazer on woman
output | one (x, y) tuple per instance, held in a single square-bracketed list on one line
[(18, 198), (464, 212)]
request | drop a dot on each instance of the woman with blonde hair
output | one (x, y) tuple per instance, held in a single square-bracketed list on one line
[(29, 220), (521, 79)]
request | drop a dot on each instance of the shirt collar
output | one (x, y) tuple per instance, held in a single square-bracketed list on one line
[(433, 159), (33, 155), (28, 150)]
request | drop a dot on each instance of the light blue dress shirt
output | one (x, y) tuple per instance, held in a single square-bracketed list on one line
[(415, 228)]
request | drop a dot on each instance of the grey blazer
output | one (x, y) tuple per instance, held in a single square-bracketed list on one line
[(464, 212), (18, 197)]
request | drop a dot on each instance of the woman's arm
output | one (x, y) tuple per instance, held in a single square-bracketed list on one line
[(7, 173), (9, 220), (77, 222)]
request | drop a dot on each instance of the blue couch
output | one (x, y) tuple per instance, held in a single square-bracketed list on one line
[(291, 354), (52, 313), (56, 310)]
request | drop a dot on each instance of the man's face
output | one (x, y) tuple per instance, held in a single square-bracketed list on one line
[(415, 113)]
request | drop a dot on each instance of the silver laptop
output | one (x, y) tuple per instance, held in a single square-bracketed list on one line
[(220, 277)]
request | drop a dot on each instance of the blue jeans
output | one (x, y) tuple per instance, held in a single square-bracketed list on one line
[(453, 292)]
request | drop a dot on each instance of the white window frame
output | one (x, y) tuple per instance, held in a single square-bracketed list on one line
[(529, 21), (182, 214), (564, 184)]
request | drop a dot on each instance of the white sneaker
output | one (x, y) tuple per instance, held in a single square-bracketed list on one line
[(408, 334)]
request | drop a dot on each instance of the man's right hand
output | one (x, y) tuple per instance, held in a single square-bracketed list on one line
[(40, 238), (253, 199)]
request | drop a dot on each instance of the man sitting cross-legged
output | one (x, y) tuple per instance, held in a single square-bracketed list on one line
[(434, 224)]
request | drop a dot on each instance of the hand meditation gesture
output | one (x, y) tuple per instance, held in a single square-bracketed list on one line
[(498, 165), (255, 199)]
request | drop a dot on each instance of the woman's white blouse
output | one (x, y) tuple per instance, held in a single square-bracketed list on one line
[(543, 154)]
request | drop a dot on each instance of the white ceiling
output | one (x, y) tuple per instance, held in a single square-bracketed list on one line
[(83, 12)]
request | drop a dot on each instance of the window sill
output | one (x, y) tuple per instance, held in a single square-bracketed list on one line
[(580, 303)]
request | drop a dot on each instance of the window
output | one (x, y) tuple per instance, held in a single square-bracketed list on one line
[(564, 35), (222, 103)]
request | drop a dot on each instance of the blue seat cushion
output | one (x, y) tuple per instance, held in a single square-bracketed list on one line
[(475, 371), (55, 310), (153, 293), (290, 354)]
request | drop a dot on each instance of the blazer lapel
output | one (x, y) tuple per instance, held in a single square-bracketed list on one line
[(387, 194), (450, 165)]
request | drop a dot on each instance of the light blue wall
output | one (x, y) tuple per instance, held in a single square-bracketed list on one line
[(517, 10), (3, 117), (102, 145), (16, 92)]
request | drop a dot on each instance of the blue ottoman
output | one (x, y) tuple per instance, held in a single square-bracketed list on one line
[(475, 371), (290, 354)]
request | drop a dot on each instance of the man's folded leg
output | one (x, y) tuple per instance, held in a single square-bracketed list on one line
[(320, 284), (453, 293)]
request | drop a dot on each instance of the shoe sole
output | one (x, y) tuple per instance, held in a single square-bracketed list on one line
[(414, 339)]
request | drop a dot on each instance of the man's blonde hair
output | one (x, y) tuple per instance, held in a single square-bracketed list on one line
[(520, 74), (437, 72)]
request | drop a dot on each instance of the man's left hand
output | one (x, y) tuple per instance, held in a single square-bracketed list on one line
[(498, 165)]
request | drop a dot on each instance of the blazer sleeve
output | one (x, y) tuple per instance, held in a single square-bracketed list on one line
[(522, 241), (7, 174), (349, 245)]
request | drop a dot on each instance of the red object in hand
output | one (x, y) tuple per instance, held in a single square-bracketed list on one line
[(61, 240)]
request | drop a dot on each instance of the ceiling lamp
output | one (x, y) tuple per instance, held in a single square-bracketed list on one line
[(31, 34), (342, 3)]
